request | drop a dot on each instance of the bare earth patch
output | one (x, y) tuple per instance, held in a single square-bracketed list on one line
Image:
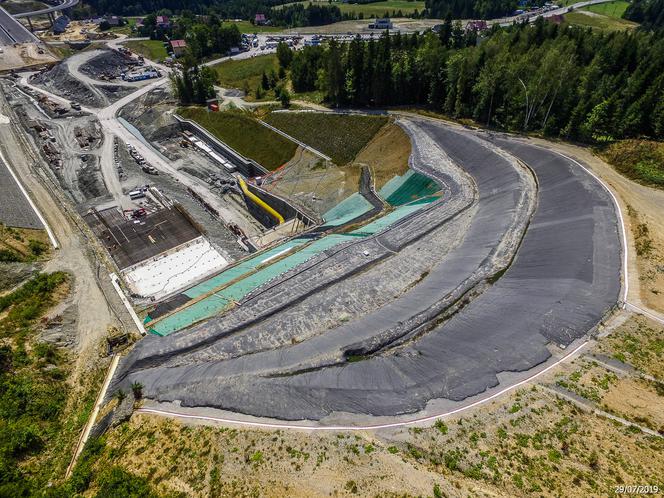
[(636, 400)]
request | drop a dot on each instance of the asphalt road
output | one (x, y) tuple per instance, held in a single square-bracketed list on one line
[(15, 210), (564, 277), (12, 31), (66, 4)]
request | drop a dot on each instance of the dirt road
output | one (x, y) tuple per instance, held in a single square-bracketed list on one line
[(74, 255)]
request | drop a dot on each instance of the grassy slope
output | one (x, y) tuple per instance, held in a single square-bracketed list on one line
[(130, 22), (640, 160), (376, 9), (601, 22), (41, 415), (244, 134), (387, 154), (233, 74), (152, 49), (611, 9), (247, 27), (339, 136), (22, 244), (528, 443)]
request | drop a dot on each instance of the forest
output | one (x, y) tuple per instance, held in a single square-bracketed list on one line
[(303, 14), (649, 13), (561, 81), (244, 9), (312, 15), (470, 9)]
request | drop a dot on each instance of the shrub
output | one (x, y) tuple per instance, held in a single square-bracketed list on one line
[(137, 389), (7, 256), (36, 247), (118, 483), (440, 425)]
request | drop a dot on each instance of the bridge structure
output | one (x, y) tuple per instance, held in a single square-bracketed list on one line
[(49, 11)]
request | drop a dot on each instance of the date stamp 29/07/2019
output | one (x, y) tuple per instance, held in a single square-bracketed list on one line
[(637, 489)]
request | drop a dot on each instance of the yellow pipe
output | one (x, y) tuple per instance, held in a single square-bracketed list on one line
[(266, 207)]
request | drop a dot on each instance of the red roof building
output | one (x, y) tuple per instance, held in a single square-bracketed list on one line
[(163, 22), (178, 46)]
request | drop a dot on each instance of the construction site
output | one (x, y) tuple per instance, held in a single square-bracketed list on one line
[(345, 273), (367, 301)]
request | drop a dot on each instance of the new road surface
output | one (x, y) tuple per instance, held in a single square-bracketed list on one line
[(12, 31)]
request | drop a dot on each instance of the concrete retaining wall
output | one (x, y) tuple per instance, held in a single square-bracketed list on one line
[(245, 166)]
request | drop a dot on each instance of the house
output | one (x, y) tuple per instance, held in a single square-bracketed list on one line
[(477, 26), (113, 20), (385, 23), (260, 20), (179, 47), (163, 22)]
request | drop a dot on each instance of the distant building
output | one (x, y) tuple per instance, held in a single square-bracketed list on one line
[(260, 20), (385, 23), (163, 22), (113, 20), (477, 26), (60, 25), (178, 46)]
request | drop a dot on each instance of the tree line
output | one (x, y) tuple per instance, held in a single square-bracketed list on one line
[(193, 83), (245, 9), (206, 36), (648, 13), (561, 81), (469, 9), (295, 14)]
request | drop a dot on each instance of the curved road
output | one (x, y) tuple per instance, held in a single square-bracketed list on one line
[(56, 8)]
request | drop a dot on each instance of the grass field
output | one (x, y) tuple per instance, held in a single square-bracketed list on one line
[(234, 74), (244, 134), (127, 29), (640, 160), (247, 27), (376, 9), (611, 9), (340, 136), (598, 21), (152, 49)]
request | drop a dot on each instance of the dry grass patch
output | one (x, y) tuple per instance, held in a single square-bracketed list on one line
[(638, 342), (638, 401), (387, 154)]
